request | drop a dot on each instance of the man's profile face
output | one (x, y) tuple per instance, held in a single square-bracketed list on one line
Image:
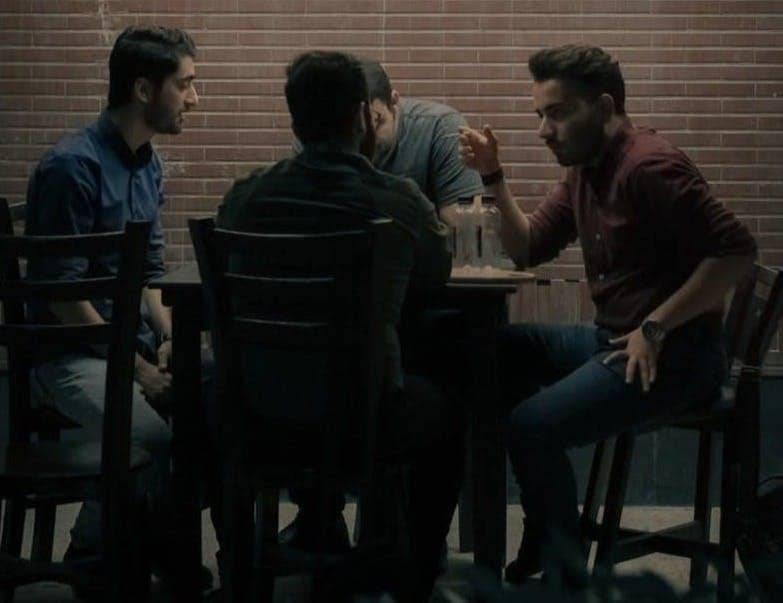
[(384, 122), (175, 97), (571, 125)]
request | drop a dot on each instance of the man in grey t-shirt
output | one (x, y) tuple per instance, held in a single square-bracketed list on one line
[(417, 138)]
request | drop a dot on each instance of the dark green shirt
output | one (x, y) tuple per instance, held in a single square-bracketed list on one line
[(419, 251)]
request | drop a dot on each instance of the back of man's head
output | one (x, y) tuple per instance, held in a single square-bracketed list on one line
[(324, 91), (378, 83), (588, 70), (153, 53)]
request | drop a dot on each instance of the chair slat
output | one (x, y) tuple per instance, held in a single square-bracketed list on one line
[(312, 336), (766, 275), (84, 289), (278, 243), (17, 211), (86, 245), (274, 292), (34, 336)]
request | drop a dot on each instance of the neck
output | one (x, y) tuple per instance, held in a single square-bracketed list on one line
[(131, 125), (336, 144), (612, 127)]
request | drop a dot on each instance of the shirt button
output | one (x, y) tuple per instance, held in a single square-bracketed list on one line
[(598, 236), (601, 276)]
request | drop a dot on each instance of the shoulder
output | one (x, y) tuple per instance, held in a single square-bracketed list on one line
[(426, 109), (647, 154), (397, 196), (75, 153)]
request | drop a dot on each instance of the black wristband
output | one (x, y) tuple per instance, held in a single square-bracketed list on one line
[(492, 178)]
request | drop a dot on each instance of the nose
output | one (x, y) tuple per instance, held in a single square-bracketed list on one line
[(545, 130), (192, 99)]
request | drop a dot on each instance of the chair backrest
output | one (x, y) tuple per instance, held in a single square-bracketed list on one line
[(303, 284), (753, 316), (23, 338), (751, 323), (12, 213)]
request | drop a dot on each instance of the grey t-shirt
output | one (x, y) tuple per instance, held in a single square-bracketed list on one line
[(424, 154)]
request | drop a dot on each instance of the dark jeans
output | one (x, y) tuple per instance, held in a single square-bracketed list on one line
[(422, 429), (560, 395)]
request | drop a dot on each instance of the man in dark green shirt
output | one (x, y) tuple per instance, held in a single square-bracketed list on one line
[(328, 100)]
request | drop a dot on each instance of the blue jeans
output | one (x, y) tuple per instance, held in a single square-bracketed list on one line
[(561, 395), (74, 385)]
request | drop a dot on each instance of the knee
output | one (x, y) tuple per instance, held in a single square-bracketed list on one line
[(154, 437), (526, 430)]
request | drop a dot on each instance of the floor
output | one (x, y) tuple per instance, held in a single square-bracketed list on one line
[(453, 587)]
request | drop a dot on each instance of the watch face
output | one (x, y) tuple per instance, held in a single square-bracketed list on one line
[(652, 331)]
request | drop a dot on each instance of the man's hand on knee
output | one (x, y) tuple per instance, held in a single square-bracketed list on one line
[(155, 384)]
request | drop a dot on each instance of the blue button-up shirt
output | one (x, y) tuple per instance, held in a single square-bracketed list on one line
[(92, 182)]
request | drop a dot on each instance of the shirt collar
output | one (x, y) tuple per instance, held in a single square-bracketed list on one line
[(112, 135), (332, 152), (611, 153)]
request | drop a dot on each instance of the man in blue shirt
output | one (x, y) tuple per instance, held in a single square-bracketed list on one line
[(95, 180)]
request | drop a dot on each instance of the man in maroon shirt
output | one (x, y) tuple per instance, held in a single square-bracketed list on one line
[(660, 255)]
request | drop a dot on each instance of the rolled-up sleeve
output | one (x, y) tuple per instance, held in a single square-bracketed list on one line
[(155, 260), (552, 226), (451, 178), (61, 201)]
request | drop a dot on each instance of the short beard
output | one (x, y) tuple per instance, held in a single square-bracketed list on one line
[(160, 119), (591, 133)]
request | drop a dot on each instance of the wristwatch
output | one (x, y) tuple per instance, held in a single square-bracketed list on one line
[(653, 331)]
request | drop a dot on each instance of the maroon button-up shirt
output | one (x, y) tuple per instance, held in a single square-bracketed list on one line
[(645, 219)]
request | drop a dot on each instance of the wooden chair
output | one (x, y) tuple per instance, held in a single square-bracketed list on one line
[(304, 282), (734, 414), (42, 422), (57, 471)]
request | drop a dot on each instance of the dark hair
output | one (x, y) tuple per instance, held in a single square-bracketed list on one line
[(587, 69), (378, 83), (149, 52), (324, 91)]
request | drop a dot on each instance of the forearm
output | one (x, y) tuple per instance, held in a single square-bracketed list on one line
[(705, 290), (514, 225), (82, 313), (160, 315), (76, 313)]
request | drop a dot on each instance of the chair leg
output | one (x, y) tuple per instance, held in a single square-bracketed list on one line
[(13, 527), (43, 532), (266, 528), (13, 534), (596, 490), (702, 510), (728, 516), (237, 517), (466, 498), (615, 498)]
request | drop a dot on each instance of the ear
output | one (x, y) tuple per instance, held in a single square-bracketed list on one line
[(363, 120), (367, 140), (606, 104), (143, 90), (395, 100)]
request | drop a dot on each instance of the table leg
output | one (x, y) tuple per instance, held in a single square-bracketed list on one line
[(489, 463), (186, 419)]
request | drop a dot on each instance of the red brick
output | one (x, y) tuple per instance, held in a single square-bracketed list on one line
[(706, 74)]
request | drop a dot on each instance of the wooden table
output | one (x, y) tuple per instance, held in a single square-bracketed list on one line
[(482, 297)]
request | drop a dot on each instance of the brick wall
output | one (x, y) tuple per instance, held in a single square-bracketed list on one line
[(709, 74)]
